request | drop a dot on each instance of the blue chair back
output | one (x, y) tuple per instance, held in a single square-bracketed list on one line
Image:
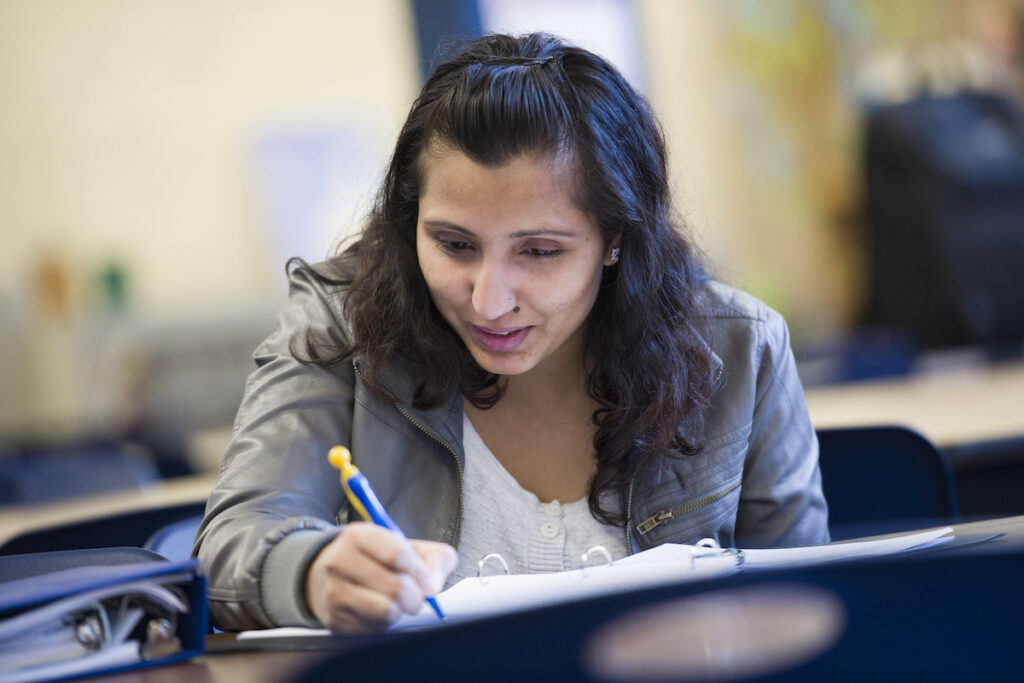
[(884, 479), (174, 540), (33, 475)]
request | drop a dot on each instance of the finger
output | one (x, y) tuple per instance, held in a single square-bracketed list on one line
[(356, 609), (440, 558), (392, 551), (365, 571)]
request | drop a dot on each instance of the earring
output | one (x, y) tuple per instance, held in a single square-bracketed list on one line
[(615, 255)]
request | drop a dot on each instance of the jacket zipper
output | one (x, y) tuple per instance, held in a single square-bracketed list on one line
[(629, 516), (458, 466), (455, 457), (659, 518)]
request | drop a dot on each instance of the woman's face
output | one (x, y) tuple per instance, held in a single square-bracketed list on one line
[(511, 263)]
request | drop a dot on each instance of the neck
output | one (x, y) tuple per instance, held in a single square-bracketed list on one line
[(560, 376)]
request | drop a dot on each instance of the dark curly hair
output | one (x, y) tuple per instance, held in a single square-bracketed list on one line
[(649, 367)]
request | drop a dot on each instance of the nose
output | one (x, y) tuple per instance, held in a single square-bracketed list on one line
[(493, 291)]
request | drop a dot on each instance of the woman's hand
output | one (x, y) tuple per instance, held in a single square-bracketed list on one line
[(367, 577)]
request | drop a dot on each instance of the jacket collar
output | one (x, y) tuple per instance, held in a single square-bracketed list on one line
[(401, 376)]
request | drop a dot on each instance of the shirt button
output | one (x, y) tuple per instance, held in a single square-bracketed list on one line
[(548, 529), (553, 509)]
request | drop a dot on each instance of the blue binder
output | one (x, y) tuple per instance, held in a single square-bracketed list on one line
[(83, 612)]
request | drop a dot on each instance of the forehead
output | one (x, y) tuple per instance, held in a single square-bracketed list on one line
[(450, 176), (441, 157)]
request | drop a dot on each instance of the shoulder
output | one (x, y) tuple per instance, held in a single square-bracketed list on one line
[(739, 321), (751, 345), (325, 280), (727, 302), (316, 293)]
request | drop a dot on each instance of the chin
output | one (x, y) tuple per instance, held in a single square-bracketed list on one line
[(502, 366)]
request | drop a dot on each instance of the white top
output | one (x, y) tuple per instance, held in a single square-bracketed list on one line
[(500, 516)]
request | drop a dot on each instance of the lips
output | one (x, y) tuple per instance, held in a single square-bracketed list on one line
[(501, 339)]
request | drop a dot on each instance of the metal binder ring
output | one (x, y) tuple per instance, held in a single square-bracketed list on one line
[(716, 550), (740, 556), (585, 557), (484, 560)]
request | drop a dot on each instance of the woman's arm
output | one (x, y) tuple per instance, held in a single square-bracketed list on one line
[(276, 499), (782, 503), (271, 543)]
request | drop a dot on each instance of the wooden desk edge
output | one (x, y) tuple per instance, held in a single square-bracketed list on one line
[(17, 519)]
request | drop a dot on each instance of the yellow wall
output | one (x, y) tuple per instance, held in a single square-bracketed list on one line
[(127, 134), (127, 126)]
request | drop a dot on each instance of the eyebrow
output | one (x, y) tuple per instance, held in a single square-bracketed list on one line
[(539, 232)]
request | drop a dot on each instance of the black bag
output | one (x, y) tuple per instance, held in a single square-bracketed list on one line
[(945, 209)]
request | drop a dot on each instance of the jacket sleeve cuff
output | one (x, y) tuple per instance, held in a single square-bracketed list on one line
[(283, 579)]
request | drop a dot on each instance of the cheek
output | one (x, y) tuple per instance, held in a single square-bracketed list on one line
[(575, 295), (428, 268), (440, 279)]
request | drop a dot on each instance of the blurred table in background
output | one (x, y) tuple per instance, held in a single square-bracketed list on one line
[(950, 407), (975, 413), (18, 519)]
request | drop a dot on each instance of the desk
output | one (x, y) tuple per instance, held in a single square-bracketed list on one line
[(950, 407), (16, 519), (272, 667)]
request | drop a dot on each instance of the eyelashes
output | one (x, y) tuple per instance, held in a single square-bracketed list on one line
[(459, 248), (452, 246)]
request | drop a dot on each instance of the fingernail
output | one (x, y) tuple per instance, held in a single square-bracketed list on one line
[(411, 598), (394, 613)]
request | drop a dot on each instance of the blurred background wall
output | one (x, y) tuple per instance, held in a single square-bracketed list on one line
[(162, 159)]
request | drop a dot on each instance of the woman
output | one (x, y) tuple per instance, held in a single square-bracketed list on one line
[(524, 356)]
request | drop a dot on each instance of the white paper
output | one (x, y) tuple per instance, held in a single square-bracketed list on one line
[(283, 632), (482, 597), (821, 554), (476, 598)]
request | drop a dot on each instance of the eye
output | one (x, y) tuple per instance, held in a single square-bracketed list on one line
[(453, 246), (542, 248)]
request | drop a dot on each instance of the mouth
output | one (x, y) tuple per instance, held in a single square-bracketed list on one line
[(504, 339)]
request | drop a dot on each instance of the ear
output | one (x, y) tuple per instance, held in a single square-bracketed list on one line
[(611, 256)]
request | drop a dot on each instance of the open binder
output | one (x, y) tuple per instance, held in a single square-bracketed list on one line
[(103, 615), (490, 594), (668, 563)]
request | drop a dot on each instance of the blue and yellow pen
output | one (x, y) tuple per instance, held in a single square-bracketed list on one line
[(364, 500)]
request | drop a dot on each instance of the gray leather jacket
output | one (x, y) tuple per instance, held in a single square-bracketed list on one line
[(277, 501)]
